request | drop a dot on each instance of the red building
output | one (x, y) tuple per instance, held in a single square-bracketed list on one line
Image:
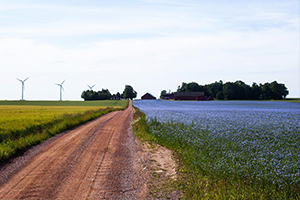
[(196, 96), (148, 96), (168, 96)]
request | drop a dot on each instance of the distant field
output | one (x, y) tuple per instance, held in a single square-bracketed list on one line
[(23, 124), (295, 100), (105, 103)]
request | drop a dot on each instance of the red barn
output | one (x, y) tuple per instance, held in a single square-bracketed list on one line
[(168, 96), (196, 96), (148, 96)]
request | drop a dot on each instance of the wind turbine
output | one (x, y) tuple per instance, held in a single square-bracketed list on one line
[(91, 88), (61, 88), (23, 87)]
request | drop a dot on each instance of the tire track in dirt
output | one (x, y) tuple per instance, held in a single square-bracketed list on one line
[(93, 161)]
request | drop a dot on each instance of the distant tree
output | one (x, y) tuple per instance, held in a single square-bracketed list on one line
[(229, 91), (162, 93), (90, 95), (220, 95), (243, 90), (256, 92), (266, 91), (213, 89), (278, 90), (129, 92), (87, 95), (190, 87), (238, 90), (103, 95), (118, 95), (206, 90), (194, 87), (182, 88)]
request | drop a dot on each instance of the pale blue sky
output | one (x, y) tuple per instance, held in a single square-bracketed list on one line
[(149, 44)]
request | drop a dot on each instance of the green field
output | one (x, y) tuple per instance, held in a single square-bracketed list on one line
[(26, 123), (295, 100), (105, 103)]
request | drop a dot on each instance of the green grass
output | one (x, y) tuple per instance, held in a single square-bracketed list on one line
[(294, 100), (25, 124), (159, 188), (141, 128)]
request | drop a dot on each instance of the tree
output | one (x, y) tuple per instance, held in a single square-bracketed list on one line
[(190, 87), (256, 92), (238, 90), (194, 87), (266, 91), (183, 87), (220, 95), (213, 89), (279, 91), (229, 91), (243, 90), (93, 95), (162, 93), (118, 95), (129, 92)]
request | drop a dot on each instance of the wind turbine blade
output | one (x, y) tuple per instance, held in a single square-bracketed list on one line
[(56, 84), (63, 82), (19, 80), (93, 85), (26, 79), (62, 88)]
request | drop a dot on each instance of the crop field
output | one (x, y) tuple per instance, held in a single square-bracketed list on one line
[(252, 144), (23, 124), (104, 103)]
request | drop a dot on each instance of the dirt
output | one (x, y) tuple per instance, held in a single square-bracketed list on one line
[(94, 161), (161, 169), (101, 159), (163, 161)]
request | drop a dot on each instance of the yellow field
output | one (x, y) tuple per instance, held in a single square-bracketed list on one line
[(21, 117), (22, 126)]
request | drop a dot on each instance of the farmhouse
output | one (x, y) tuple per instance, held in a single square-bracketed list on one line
[(148, 96), (168, 96), (198, 96), (115, 97)]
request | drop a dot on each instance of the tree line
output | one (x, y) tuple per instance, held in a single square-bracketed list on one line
[(104, 94), (237, 90)]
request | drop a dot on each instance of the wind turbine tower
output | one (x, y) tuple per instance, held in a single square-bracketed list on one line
[(61, 88), (91, 88), (23, 86)]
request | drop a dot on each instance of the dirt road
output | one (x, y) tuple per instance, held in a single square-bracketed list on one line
[(93, 161)]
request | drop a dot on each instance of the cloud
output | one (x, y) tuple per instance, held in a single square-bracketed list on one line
[(152, 44), (192, 18), (230, 50)]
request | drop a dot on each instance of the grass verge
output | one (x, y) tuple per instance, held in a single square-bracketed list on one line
[(160, 186), (294, 100)]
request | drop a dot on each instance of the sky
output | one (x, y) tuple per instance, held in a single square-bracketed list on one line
[(152, 45)]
